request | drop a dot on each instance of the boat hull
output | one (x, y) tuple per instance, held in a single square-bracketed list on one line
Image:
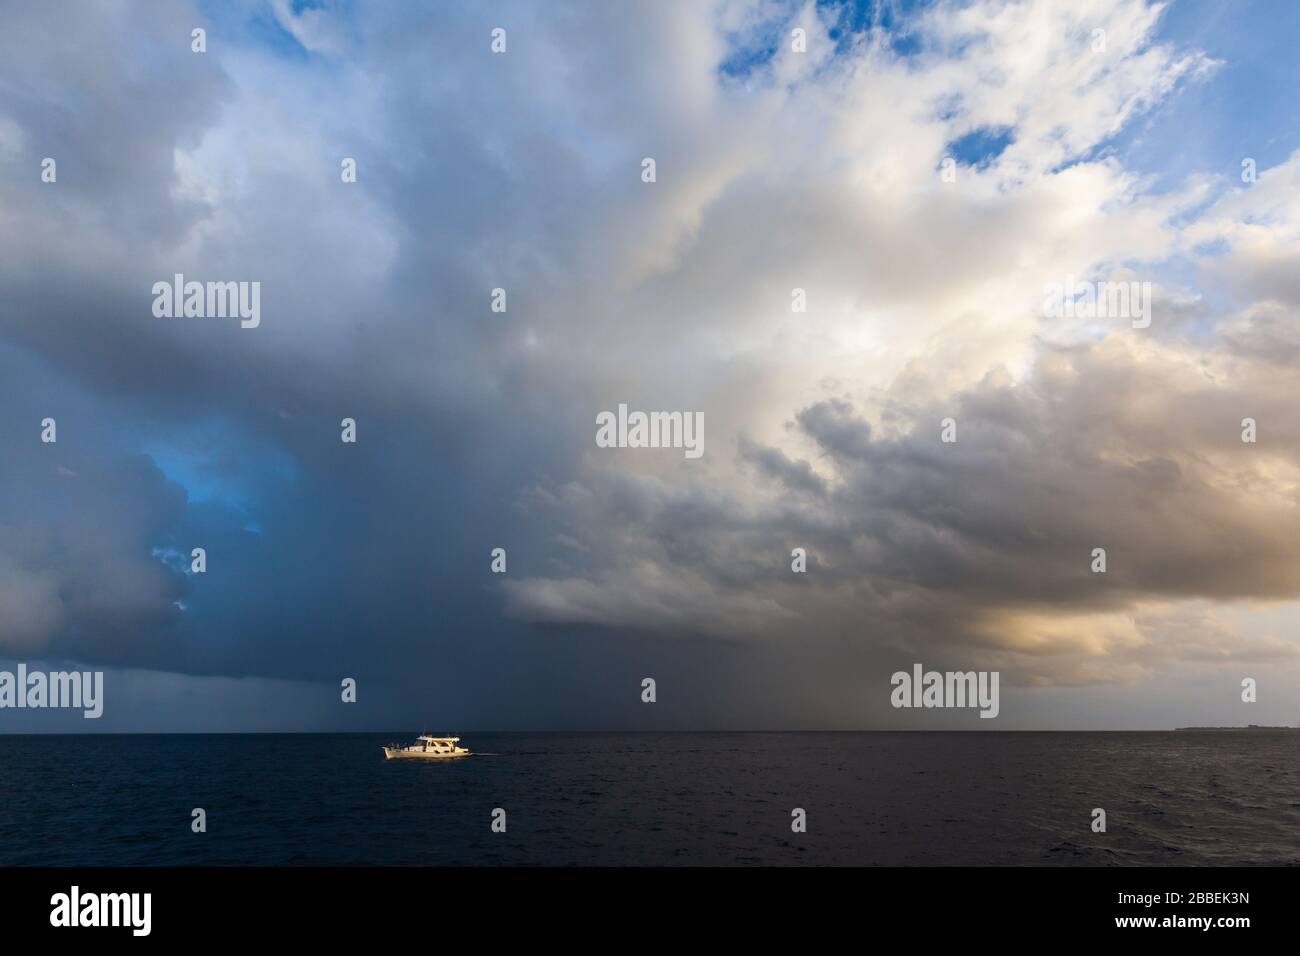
[(392, 754)]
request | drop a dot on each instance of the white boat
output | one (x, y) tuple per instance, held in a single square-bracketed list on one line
[(427, 748)]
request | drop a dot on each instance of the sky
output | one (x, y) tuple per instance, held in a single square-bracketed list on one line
[(1103, 141)]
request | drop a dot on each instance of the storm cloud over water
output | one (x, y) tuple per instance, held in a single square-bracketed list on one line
[(775, 170)]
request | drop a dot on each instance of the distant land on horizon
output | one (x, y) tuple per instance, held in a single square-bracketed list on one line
[(1238, 727)]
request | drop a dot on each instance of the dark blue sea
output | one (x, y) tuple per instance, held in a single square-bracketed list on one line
[(1198, 798)]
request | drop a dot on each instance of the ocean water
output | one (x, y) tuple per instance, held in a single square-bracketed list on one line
[(656, 799)]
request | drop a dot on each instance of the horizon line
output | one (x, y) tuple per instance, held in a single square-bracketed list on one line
[(283, 733)]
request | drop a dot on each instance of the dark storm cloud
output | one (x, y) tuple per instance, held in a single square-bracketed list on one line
[(323, 559), (77, 528), (303, 556), (798, 476), (984, 541), (475, 428)]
